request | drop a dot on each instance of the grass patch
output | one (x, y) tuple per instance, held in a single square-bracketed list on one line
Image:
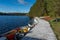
[(56, 28)]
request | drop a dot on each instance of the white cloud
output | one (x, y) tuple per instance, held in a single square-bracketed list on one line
[(22, 2)]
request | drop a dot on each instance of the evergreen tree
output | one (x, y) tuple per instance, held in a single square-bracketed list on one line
[(45, 7)]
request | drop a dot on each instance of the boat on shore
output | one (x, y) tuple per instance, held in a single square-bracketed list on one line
[(18, 33)]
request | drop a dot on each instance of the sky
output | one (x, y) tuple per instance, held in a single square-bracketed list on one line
[(20, 6)]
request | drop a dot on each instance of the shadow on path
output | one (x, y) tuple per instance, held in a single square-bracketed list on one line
[(31, 38)]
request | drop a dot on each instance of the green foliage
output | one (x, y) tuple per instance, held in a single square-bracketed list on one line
[(36, 8), (45, 7), (56, 28)]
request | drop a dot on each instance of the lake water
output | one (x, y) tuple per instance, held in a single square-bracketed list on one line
[(8, 23)]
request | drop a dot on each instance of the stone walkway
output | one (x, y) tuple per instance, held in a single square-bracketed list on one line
[(42, 31)]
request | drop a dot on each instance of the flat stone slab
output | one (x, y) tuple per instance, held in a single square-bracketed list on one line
[(42, 31)]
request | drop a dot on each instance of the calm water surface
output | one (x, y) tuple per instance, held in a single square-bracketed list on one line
[(8, 23)]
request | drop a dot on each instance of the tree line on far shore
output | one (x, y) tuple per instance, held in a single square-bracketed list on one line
[(14, 14)]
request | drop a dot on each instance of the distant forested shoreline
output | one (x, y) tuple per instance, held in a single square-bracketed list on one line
[(14, 14)]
